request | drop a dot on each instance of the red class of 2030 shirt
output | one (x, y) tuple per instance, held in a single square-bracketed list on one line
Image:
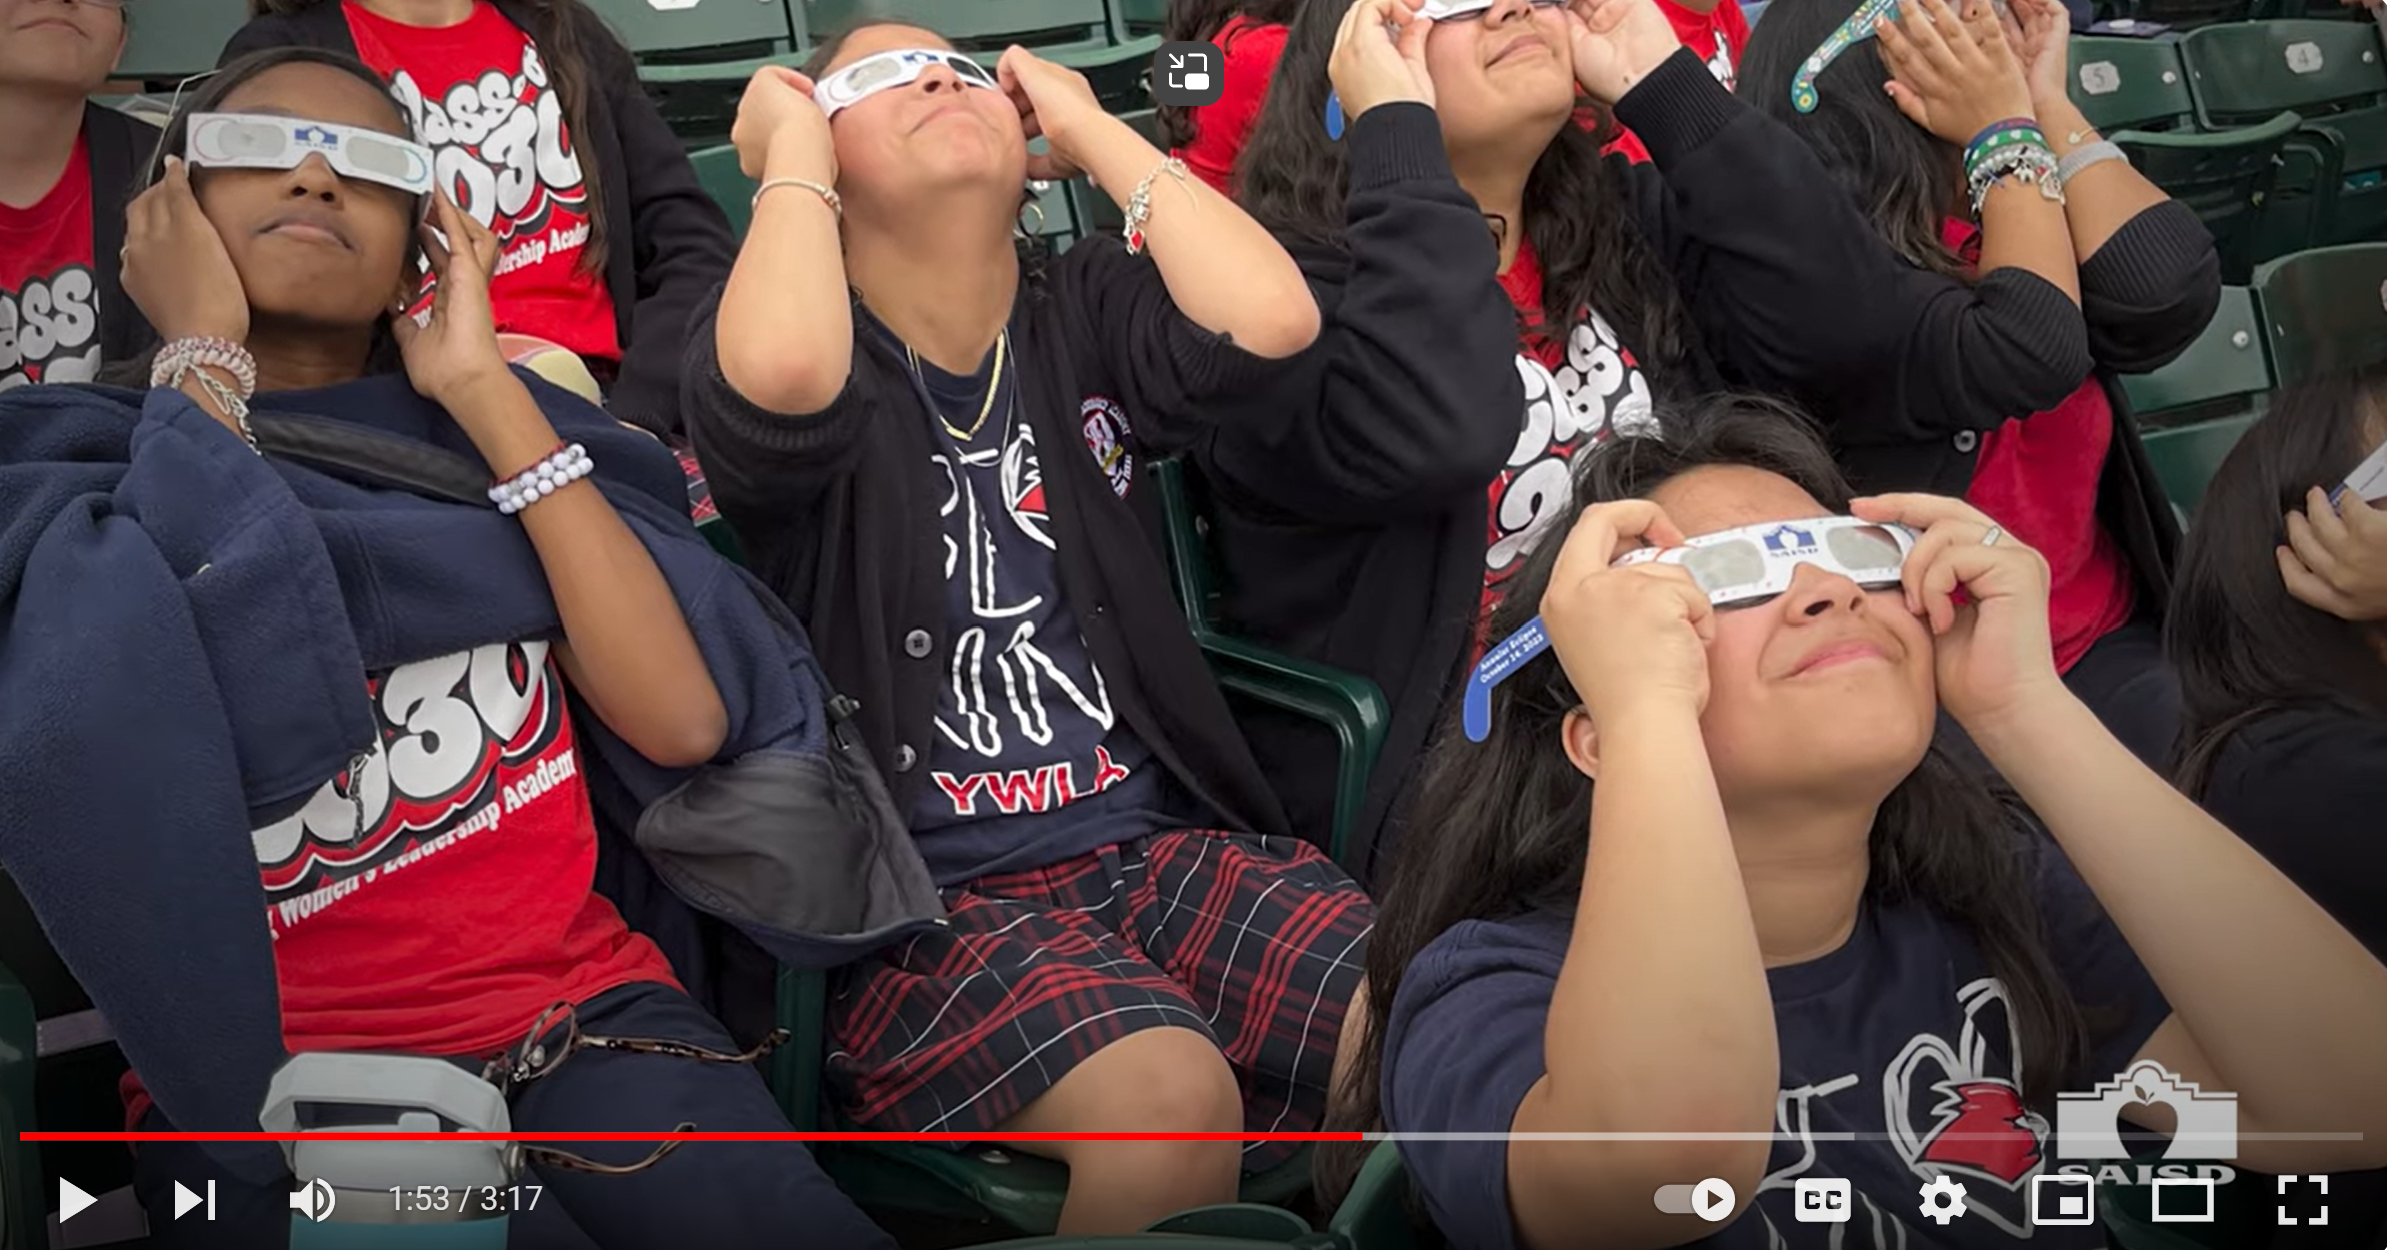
[(49, 299), (480, 96)]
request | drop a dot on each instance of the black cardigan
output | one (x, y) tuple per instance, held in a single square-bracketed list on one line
[(1349, 508), (121, 150), (667, 242), (838, 513)]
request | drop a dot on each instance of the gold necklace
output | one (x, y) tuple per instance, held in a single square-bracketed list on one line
[(994, 382)]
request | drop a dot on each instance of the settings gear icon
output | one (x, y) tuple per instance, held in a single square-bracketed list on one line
[(1943, 1200)]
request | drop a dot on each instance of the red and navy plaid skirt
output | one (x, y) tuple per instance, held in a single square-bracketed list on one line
[(1254, 942)]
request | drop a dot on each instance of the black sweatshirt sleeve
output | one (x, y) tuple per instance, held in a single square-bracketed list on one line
[(2151, 289), (2306, 790), (766, 468), (1411, 396), (682, 243), (269, 31), (1171, 373), (1791, 288)]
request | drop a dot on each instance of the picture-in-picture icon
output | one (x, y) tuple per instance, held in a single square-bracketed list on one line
[(1188, 73)]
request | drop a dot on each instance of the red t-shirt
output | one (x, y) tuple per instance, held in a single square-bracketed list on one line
[(2038, 478), (1252, 50), (478, 95), (1578, 392), (49, 299), (1719, 36), (438, 897)]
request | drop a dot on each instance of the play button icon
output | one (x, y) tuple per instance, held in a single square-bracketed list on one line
[(1711, 1200), (72, 1201)]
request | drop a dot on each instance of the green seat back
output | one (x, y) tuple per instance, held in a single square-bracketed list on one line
[(2135, 83), (1139, 17), (2324, 309), (1076, 33), (2228, 178), (2185, 456), (717, 171), (654, 31), (2247, 72), (21, 1187), (171, 41), (2227, 362), (1375, 1214)]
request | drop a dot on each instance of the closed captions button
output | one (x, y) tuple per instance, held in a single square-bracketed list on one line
[(1710, 1199)]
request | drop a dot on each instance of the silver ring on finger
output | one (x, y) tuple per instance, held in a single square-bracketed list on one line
[(1991, 538)]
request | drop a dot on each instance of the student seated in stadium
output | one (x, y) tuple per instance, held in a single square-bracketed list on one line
[(2277, 634), (1498, 296), (401, 704), (1707, 874), (2002, 194), (544, 135), (943, 472), (67, 167), (1252, 34)]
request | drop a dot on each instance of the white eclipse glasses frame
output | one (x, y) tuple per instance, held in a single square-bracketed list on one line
[(1736, 567), (1757, 562), (1445, 10), (271, 141), (2368, 481), (885, 71)]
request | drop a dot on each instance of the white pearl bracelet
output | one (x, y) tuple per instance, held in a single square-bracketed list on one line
[(566, 466)]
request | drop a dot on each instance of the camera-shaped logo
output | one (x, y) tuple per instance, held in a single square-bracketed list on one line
[(2087, 1126)]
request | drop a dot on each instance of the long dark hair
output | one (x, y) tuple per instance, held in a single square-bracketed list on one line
[(2244, 647), (1903, 177), (1503, 822), (565, 32), (1192, 20), (1296, 182), (208, 98)]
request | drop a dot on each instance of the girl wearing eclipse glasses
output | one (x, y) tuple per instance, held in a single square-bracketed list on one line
[(395, 698), (1696, 868), (934, 447)]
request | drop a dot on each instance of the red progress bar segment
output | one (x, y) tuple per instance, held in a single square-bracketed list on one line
[(656, 1137)]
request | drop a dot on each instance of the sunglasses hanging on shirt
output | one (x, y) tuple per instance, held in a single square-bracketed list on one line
[(886, 71), (268, 141), (1737, 568)]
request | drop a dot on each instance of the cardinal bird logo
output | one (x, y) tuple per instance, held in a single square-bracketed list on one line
[(1984, 1129), (1953, 1109)]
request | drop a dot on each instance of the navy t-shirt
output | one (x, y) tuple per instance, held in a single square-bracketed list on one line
[(1030, 763), (1899, 1039)]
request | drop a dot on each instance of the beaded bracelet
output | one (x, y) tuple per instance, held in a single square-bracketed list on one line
[(1139, 205), (2030, 162), (191, 358), (182, 354), (1972, 150), (560, 468)]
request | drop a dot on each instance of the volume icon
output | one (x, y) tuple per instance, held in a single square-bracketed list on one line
[(315, 1201)]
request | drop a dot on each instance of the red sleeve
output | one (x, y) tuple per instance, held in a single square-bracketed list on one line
[(1735, 25), (1221, 128)]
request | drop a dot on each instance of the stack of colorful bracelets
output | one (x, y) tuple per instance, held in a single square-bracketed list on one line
[(2013, 148)]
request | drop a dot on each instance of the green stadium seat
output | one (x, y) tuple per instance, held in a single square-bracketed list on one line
[(169, 42), (1375, 1215), (2137, 84), (2227, 368), (2324, 309), (2188, 14), (2330, 73), (1130, 18), (2185, 457), (1075, 33), (21, 1182), (694, 60), (717, 171)]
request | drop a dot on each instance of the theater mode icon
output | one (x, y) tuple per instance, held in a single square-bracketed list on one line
[(2088, 1125)]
